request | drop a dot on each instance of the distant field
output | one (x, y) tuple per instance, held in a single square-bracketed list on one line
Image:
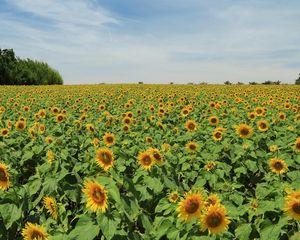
[(150, 162)]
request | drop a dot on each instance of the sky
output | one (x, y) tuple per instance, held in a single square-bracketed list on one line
[(157, 41)]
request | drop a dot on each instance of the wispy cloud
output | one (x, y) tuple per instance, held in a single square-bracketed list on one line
[(91, 41)]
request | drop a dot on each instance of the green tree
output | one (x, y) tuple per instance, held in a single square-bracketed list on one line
[(16, 71), (298, 80)]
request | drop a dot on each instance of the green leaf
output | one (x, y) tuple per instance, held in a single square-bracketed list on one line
[(108, 226), (10, 214), (273, 231), (243, 231), (85, 229)]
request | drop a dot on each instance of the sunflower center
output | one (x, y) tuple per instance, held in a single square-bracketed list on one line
[(4, 132), (213, 120), (191, 126), (244, 131), (174, 197), (60, 118), (192, 206), (214, 220), (296, 208), (192, 146), (147, 160), (278, 166), (298, 145), (263, 125), (109, 139), (218, 135), (157, 156), (3, 176), (98, 196), (106, 158), (36, 235)]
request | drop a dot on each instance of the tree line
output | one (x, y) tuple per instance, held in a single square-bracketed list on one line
[(17, 71)]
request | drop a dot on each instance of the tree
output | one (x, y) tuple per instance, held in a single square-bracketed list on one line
[(227, 83), (298, 80), (16, 71)]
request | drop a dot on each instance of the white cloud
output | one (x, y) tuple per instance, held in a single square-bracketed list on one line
[(87, 43)]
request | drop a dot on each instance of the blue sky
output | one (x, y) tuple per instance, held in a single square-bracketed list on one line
[(157, 41)]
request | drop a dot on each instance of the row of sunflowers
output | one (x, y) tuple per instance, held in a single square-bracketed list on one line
[(150, 162)]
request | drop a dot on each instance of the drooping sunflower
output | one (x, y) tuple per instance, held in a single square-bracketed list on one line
[(217, 135), (20, 125), (192, 147), (297, 145), (292, 205), (96, 196), (213, 120), (244, 131), (109, 139), (173, 197), (191, 206), (4, 177), (105, 158), (278, 165), (191, 125), (158, 158), (146, 160), (149, 140), (215, 219), (262, 125), (50, 156), (34, 232), (4, 132), (50, 205)]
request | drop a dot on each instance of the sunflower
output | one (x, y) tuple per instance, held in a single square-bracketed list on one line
[(254, 204), (60, 118), (95, 142), (259, 111), (34, 232), (215, 219), (4, 177), (50, 156), (281, 116), (90, 127), (109, 139), (191, 206), (278, 165), (185, 112), (165, 147), (157, 156), (244, 131), (50, 205), (127, 120), (262, 125), (42, 113), (20, 125), (126, 128), (292, 205), (251, 115), (297, 145), (190, 125), (149, 140), (213, 120), (192, 147), (105, 158), (209, 166), (273, 148), (146, 160), (217, 135), (49, 140), (212, 199), (96, 196), (173, 197), (42, 128), (4, 132)]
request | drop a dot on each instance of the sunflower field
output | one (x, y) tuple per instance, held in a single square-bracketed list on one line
[(150, 162)]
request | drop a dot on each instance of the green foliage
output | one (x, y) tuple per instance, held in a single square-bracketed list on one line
[(298, 80), (16, 71)]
